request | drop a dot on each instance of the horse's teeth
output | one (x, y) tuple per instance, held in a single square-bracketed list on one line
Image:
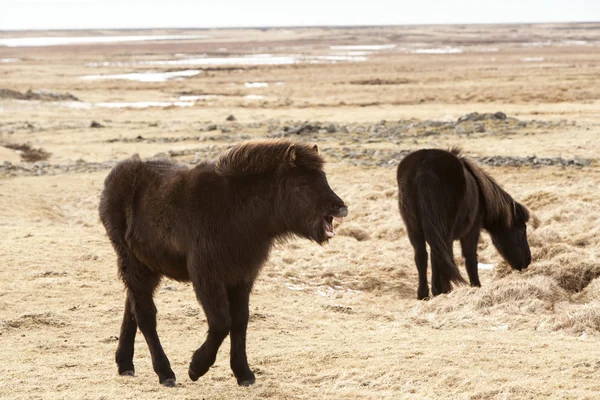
[(339, 220)]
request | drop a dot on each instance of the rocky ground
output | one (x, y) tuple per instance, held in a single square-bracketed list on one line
[(349, 140)]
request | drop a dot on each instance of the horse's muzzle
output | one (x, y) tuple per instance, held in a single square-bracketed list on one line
[(339, 212)]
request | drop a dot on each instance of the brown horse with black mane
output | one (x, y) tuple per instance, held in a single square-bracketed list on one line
[(443, 197), (213, 225)]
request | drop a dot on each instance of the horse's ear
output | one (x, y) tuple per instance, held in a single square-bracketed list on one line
[(316, 149), (290, 155)]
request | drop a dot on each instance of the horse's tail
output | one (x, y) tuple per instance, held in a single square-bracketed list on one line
[(434, 211)]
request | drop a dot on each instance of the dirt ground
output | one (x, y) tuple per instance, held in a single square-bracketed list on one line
[(334, 322)]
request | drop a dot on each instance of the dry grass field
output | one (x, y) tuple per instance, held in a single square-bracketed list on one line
[(334, 322)]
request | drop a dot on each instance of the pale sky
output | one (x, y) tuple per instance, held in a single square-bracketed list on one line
[(92, 14)]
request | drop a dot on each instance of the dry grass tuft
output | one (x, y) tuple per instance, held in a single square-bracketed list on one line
[(590, 293), (570, 274), (581, 319), (34, 321), (540, 199), (520, 292), (354, 231), (536, 293)]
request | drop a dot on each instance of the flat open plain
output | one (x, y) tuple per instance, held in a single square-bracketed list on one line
[(334, 322)]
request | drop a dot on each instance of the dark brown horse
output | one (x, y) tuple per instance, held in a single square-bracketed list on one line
[(444, 197), (213, 225)]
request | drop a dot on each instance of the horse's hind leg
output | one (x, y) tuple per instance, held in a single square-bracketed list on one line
[(141, 283), (439, 282), (469, 251), (417, 240), (124, 355), (238, 305), (213, 298)]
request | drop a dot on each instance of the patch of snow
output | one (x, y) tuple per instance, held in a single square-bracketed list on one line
[(256, 84), (575, 42), (503, 327), (485, 266), (295, 287)]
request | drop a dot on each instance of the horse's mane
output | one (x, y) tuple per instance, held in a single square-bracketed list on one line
[(501, 208), (262, 156)]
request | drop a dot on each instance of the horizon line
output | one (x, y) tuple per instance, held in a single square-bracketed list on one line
[(332, 26)]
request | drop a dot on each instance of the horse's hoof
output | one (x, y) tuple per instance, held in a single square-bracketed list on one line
[(129, 372), (194, 375), (169, 382), (247, 382)]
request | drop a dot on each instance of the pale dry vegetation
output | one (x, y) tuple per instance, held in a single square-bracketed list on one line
[(334, 322)]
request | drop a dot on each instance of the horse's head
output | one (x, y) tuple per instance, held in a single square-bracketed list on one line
[(301, 201), (309, 204), (511, 239)]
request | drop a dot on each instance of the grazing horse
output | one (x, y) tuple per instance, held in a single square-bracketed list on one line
[(444, 197), (213, 225)]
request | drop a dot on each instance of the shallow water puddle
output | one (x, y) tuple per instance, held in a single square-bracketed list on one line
[(538, 44), (144, 104), (254, 59), (199, 97), (135, 104), (354, 53), (438, 50), (70, 40), (368, 47), (145, 76), (319, 59)]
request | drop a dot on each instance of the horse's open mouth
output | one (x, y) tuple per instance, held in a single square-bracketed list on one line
[(328, 224)]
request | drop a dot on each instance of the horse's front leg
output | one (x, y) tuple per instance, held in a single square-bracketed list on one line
[(239, 296), (468, 246), (212, 295)]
